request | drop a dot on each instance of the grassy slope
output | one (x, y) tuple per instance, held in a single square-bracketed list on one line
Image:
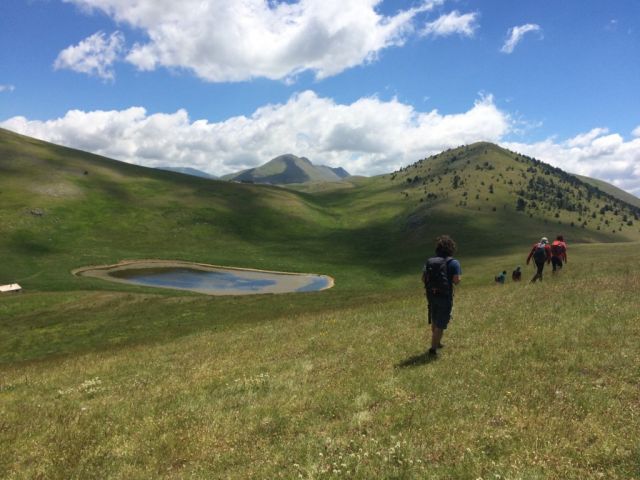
[(121, 211), (123, 382), (612, 189), (491, 179), (523, 389)]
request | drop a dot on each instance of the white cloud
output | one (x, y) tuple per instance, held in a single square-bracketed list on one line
[(584, 139), (94, 55), (452, 23), (516, 34), (7, 88), (369, 136), (636, 131), (236, 40)]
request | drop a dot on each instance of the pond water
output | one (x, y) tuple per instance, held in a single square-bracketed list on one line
[(208, 279)]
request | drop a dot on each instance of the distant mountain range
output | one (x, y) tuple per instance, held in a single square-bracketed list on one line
[(188, 171), (287, 169)]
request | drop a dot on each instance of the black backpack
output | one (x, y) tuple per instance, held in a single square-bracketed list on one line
[(540, 253), (436, 279)]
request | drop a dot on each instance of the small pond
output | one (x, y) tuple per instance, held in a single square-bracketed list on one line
[(207, 279)]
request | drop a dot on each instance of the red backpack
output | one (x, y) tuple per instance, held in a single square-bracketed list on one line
[(557, 248)]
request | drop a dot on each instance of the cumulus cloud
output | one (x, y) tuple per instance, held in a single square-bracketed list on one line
[(452, 23), (597, 154), (237, 40), (585, 139), (94, 55), (516, 34), (7, 88), (369, 136), (636, 131)]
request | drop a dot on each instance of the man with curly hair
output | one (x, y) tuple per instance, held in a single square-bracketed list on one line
[(439, 276)]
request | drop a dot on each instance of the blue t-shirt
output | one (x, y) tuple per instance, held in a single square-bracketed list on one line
[(454, 267)]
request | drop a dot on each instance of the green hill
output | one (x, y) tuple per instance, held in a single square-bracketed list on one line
[(503, 193), (106, 380), (66, 208), (287, 169), (612, 190), (188, 171)]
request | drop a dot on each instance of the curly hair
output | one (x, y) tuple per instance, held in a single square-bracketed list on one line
[(445, 246)]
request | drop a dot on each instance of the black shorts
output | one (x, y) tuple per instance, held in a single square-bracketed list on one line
[(439, 310)]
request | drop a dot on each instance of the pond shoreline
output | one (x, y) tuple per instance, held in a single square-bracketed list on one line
[(289, 282)]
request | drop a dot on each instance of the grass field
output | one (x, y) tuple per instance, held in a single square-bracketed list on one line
[(535, 381), (102, 380)]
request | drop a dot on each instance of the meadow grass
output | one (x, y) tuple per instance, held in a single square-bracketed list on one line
[(535, 381)]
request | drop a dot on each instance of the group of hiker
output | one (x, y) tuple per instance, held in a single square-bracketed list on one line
[(542, 253), (442, 272)]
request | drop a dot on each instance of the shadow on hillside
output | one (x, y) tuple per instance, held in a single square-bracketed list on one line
[(416, 360), (397, 248)]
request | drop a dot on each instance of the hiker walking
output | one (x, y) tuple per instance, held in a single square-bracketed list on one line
[(558, 253), (501, 278), (439, 275), (541, 253), (516, 275)]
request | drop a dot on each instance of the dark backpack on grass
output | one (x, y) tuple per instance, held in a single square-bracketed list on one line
[(540, 253), (437, 281)]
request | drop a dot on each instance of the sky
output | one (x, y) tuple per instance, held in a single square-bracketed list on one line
[(367, 85)]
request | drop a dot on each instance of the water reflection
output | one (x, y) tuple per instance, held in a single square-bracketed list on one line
[(208, 279), (190, 279)]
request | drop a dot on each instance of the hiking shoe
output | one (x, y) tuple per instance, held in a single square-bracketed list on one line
[(432, 352)]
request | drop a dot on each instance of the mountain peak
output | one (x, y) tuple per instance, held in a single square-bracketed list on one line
[(289, 168), (486, 179)]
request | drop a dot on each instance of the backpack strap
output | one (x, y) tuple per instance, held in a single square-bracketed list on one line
[(450, 277), (448, 260)]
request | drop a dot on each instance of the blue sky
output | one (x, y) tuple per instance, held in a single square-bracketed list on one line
[(369, 85)]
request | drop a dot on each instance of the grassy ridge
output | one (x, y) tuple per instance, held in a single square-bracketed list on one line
[(613, 190)]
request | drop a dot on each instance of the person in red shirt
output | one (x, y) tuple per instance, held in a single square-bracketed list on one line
[(558, 253), (541, 253)]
